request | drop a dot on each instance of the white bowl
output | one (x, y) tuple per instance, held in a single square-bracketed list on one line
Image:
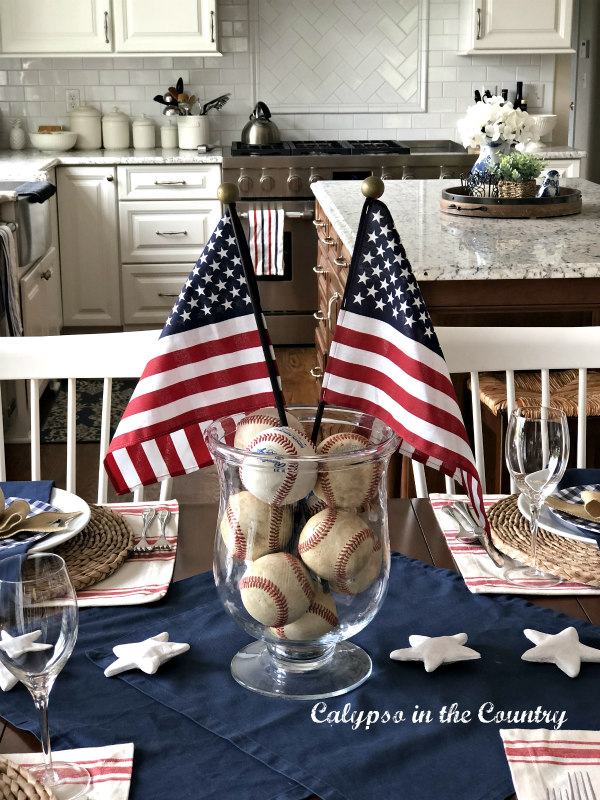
[(543, 123), (54, 140)]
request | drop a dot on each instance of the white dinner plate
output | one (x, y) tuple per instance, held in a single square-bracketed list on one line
[(553, 524), (64, 501)]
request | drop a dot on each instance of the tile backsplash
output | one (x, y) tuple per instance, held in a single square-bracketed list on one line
[(34, 88)]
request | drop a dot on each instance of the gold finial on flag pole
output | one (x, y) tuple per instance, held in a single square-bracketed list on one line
[(372, 187), (228, 193)]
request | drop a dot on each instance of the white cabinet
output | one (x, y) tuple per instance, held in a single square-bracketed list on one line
[(512, 26), (567, 167), (151, 26), (83, 27), (40, 297), (63, 27), (166, 215), (89, 246)]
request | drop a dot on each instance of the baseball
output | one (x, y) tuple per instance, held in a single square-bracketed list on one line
[(258, 421), (320, 618), (341, 548), (277, 589), (279, 481), (251, 528), (348, 484)]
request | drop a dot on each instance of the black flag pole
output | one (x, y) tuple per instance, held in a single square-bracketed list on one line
[(228, 194), (372, 188)]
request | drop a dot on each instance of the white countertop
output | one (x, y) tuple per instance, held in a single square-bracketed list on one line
[(32, 165), (447, 247)]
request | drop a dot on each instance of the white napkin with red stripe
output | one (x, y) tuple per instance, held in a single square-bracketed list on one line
[(265, 239), (540, 759), (478, 570), (110, 767), (144, 577)]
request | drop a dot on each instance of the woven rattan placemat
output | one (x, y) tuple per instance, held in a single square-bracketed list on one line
[(17, 784), (567, 558), (99, 549)]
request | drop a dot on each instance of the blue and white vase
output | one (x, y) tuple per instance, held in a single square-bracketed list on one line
[(490, 153)]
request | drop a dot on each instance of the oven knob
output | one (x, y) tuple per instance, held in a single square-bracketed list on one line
[(314, 176), (294, 182), (445, 172), (245, 183), (385, 175), (407, 173), (267, 182)]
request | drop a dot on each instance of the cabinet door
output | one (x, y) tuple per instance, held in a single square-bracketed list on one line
[(152, 26), (567, 167), (89, 251), (70, 26), (40, 297), (508, 26)]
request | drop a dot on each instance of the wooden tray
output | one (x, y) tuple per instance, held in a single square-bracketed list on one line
[(456, 201)]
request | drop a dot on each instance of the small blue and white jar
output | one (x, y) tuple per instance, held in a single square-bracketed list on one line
[(550, 185)]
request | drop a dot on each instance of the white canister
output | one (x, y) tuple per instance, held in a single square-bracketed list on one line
[(168, 137), (17, 137), (143, 134), (115, 130), (86, 121), (193, 131)]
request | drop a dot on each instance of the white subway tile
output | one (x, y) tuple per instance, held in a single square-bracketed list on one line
[(83, 77), (3, 77), (54, 77), (144, 77), (444, 74), (37, 93), (23, 78), (443, 11)]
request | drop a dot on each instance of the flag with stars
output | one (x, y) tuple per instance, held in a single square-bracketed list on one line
[(209, 363), (385, 358)]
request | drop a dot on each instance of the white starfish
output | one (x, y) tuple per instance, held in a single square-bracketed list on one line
[(436, 650), (147, 655), (15, 646), (7, 679), (563, 649)]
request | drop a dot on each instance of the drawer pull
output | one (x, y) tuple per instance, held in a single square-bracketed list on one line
[(316, 372), (340, 262), (171, 233), (168, 294), (318, 315), (318, 224), (45, 276), (328, 240), (320, 270), (170, 183)]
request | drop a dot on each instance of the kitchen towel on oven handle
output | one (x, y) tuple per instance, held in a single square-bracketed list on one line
[(265, 239), (9, 280)]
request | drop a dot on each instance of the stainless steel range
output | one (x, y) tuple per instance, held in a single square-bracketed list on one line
[(281, 175)]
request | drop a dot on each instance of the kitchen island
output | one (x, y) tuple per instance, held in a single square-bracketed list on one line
[(475, 271)]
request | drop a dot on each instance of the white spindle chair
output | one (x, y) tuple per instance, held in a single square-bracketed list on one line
[(476, 350), (95, 355)]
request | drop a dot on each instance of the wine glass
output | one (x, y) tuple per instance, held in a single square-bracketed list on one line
[(38, 630), (537, 451)]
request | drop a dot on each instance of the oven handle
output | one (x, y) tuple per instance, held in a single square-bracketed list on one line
[(309, 214)]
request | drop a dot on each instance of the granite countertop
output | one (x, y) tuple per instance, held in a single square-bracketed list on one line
[(32, 165), (447, 247)]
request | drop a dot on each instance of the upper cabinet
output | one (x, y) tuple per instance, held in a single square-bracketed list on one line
[(514, 26), (114, 27)]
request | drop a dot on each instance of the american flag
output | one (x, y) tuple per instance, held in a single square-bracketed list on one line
[(209, 363), (385, 358)]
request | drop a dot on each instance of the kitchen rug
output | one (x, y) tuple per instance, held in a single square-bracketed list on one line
[(89, 410)]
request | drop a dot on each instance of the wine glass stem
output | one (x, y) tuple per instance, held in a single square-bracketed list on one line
[(40, 699), (535, 515)]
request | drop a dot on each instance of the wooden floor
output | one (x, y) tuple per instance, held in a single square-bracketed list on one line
[(299, 388)]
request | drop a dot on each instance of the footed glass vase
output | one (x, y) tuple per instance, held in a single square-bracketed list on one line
[(302, 555)]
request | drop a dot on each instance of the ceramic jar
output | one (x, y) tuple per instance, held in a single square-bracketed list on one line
[(193, 131), (18, 137), (143, 134), (85, 120), (168, 137), (115, 130)]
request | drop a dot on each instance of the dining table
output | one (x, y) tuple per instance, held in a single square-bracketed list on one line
[(414, 532)]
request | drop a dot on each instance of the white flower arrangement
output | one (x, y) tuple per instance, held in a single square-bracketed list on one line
[(494, 119)]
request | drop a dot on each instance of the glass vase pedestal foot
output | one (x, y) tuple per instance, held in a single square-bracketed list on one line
[(67, 781), (278, 671)]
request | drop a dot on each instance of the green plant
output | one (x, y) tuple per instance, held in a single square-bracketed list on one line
[(518, 167)]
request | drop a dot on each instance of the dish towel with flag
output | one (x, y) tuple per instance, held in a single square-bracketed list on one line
[(385, 358), (209, 363), (265, 240)]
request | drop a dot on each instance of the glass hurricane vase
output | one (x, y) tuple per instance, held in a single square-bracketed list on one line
[(302, 554)]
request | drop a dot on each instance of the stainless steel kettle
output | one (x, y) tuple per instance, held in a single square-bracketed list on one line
[(260, 129)]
